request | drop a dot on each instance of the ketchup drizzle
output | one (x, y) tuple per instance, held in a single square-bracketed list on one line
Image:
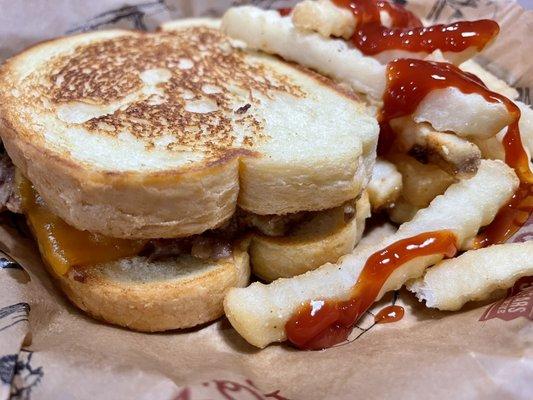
[(324, 323), (389, 314), (284, 11), (514, 214), (321, 324), (408, 33), (409, 81)]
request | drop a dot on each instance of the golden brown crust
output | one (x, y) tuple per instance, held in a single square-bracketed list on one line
[(94, 76), (158, 305)]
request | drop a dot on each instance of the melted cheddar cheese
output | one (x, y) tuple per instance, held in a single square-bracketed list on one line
[(63, 246)]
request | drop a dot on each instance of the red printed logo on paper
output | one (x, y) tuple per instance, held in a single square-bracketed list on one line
[(519, 303), (227, 390)]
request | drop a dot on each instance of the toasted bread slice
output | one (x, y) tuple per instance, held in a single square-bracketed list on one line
[(323, 238), (152, 135), (150, 296)]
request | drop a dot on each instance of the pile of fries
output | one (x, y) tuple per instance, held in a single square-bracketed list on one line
[(445, 171)]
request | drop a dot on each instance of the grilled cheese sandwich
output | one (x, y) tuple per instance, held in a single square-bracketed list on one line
[(146, 152)]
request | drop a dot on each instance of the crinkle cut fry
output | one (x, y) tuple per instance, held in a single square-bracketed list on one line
[(474, 275), (450, 152), (324, 17), (445, 109)]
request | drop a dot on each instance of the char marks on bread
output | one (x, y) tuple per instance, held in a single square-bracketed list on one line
[(160, 135)]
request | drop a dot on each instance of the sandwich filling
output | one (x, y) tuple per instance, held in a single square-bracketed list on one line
[(63, 246)]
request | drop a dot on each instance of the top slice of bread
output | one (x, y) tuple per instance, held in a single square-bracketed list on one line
[(147, 135)]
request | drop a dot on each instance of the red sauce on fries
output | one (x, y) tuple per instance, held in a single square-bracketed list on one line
[(515, 213), (284, 11), (322, 324), (409, 81), (389, 314), (408, 33)]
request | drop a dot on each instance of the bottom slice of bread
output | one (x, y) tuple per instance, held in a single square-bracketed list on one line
[(160, 295)]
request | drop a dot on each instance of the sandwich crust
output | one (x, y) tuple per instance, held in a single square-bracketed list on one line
[(153, 296), (159, 135)]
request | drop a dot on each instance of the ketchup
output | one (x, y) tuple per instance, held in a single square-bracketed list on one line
[(408, 33), (389, 314), (324, 323), (321, 324), (510, 218), (409, 81), (284, 11), (515, 213)]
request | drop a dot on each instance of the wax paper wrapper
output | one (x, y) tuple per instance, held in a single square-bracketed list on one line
[(50, 350)]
